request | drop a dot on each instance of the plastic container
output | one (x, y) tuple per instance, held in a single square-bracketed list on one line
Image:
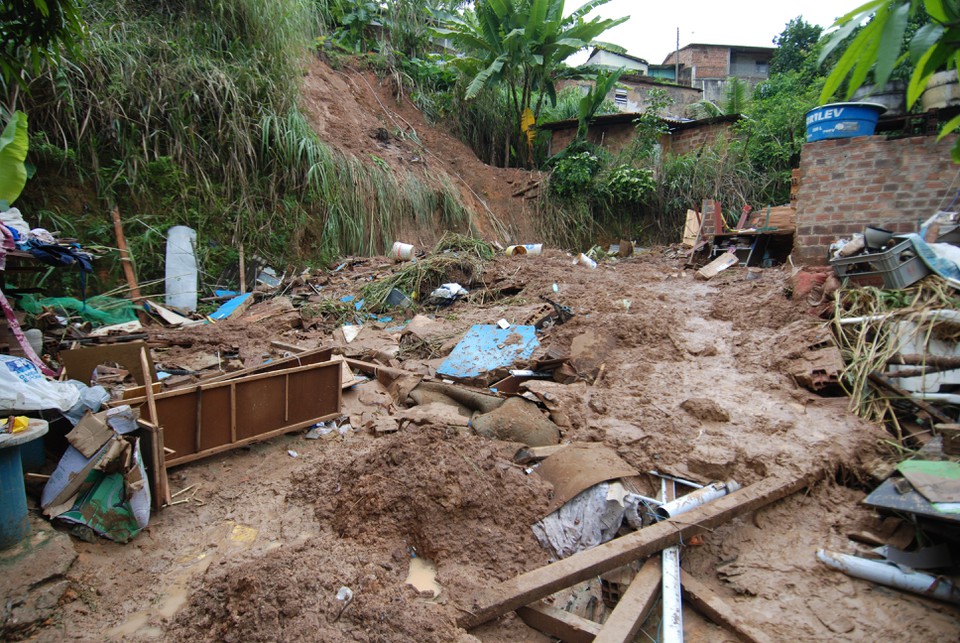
[(895, 268), (181, 268), (943, 90), (584, 260), (525, 249), (842, 120), (402, 251)]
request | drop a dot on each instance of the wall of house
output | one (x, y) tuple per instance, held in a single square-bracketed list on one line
[(638, 95), (692, 139), (848, 184), (750, 65), (613, 138), (608, 59)]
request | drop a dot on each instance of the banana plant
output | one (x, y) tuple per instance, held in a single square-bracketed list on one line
[(520, 44), (13, 153), (934, 47)]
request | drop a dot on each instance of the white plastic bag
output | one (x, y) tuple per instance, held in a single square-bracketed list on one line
[(24, 388)]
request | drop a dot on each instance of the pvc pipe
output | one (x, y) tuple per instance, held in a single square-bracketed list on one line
[(892, 576), (692, 500), (949, 398), (671, 602), (951, 315)]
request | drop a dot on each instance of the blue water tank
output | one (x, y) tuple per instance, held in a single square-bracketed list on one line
[(842, 120)]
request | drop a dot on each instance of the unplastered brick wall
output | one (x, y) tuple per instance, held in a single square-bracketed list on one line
[(848, 184), (694, 138)]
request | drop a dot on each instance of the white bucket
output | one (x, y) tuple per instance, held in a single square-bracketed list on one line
[(402, 251), (525, 249), (584, 260)]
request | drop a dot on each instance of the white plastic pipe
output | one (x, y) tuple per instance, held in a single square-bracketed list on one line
[(891, 575), (672, 604), (695, 499)]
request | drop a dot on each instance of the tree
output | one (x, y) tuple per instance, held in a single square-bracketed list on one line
[(519, 44), (33, 32), (795, 44), (591, 103), (877, 47)]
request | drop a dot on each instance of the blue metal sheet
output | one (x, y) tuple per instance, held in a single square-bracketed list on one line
[(486, 348)]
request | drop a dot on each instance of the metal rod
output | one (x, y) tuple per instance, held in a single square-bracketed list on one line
[(686, 483), (671, 602)]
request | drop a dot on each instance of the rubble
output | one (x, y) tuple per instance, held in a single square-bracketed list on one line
[(363, 435)]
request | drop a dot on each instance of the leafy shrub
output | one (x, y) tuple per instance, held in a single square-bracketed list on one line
[(625, 183), (573, 174)]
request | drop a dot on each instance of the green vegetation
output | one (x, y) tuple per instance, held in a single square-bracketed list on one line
[(520, 45), (932, 28), (187, 113), (34, 31)]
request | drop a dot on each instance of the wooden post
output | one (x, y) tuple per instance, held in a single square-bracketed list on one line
[(526, 588), (159, 454), (634, 607), (708, 603), (125, 260), (559, 623), (243, 271)]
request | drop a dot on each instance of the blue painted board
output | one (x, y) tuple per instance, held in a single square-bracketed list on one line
[(486, 347), (228, 307)]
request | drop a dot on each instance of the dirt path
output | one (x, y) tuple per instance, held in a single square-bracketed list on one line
[(275, 538)]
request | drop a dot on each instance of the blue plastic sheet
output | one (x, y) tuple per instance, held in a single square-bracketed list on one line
[(487, 348)]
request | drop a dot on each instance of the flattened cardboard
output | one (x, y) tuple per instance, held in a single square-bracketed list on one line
[(579, 467), (80, 362), (90, 433)]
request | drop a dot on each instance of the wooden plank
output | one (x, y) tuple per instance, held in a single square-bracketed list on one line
[(125, 259), (161, 485), (524, 589), (935, 413), (290, 348), (634, 606), (559, 623), (708, 603)]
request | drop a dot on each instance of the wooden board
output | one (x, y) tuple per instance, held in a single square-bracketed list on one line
[(708, 603), (210, 418), (80, 362), (559, 623), (634, 606), (526, 588)]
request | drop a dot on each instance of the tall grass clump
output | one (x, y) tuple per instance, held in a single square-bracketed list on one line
[(187, 113)]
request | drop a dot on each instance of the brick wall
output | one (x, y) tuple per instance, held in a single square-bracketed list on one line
[(694, 138), (848, 184)]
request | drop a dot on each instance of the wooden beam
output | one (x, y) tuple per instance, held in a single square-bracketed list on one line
[(125, 260), (881, 382), (559, 623), (708, 603), (161, 485), (634, 606), (524, 589)]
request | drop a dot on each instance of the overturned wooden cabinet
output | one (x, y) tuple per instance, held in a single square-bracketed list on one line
[(213, 417)]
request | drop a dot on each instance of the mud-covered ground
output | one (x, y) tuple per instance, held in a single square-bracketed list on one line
[(267, 540)]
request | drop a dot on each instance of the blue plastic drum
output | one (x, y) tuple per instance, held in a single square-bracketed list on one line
[(842, 120)]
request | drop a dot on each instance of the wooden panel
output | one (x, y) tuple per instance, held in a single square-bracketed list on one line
[(240, 411), (260, 404)]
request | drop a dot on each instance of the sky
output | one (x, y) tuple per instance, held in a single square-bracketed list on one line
[(651, 32)]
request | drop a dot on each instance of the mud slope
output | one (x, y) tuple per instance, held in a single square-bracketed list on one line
[(363, 115)]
